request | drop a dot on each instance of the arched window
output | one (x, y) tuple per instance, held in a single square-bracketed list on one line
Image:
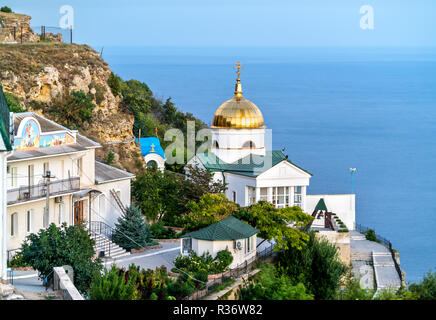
[(151, 164), (249, 144), (215, 144)]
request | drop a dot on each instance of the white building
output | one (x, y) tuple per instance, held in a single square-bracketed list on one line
[(231, 234), (239, 157), (81, 189), (5, 149)]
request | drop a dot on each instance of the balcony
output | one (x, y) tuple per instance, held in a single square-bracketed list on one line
[(34, 192)]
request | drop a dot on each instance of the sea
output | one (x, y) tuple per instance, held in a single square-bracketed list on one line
[(373, 109)]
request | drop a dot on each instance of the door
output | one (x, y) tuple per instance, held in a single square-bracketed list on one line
[(78, 212)]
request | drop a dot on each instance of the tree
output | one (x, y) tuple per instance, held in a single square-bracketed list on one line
[(58, 246), (426, 289), (109, 160), (273, 223), (6, 9), (209, 209), (14, 103), (316, 265), (200, 181), (353, 290), (112, 286), (270, 285), (131, 231), (114, 83)]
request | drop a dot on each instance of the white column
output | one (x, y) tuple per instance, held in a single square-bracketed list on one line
[(270, 195), (303, 198), (257, 194)]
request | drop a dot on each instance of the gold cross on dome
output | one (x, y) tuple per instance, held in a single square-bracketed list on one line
[(152, 147), (238, 66)]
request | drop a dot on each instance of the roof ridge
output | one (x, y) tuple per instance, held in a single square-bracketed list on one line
[(112, 167)]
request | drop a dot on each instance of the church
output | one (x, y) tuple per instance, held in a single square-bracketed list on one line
[(241, 156)]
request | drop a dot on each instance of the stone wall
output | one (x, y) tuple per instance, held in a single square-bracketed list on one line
[(341, 240), (61, 281)]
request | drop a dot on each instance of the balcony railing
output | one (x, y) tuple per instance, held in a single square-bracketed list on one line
[(34, 192)]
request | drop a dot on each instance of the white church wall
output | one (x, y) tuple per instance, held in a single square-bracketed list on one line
[(283, 174), (157, 158), (341, 204), (231, 141), (237, 183)]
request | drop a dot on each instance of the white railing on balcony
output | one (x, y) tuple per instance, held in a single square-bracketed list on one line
[(33, 192)]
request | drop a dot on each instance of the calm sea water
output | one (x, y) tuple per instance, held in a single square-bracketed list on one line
[(332, 109)]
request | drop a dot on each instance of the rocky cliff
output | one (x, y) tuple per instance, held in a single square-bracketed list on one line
[(42, 74)]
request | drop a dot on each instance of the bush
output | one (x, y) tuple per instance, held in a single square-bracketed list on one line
[(13, 103), (225, 258), (112, 286), (193, 263), (159, 231), (115, 84), (58, 246), (17, 261), (131, 231), (426, 289), (6, 9), (370, 235), (109, 160)]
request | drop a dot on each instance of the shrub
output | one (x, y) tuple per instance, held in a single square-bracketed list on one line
[(58, 246), (17, 261), (109, 160), (159, 231), (13, 103), (115, 84), (426, 289), (225, 258), (6, 9), (193, 263), (131, 231), (112, 286), (370, 235)]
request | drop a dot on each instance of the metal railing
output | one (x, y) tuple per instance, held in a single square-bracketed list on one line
[(382, 240), (33, 192), (102, 234), (234, 273)]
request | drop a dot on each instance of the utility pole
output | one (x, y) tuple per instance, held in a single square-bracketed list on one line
[(47, 178), (352, 172)]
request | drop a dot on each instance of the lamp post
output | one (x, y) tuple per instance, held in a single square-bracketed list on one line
[(352, 172)]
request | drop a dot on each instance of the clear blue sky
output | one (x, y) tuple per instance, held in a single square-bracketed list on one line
[(240, 22)]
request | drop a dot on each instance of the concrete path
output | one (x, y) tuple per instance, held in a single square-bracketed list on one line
[(373, 262)]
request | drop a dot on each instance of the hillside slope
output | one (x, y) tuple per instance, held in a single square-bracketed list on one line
[(43, 77)]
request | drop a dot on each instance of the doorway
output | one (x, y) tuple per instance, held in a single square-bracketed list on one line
[(78, 212)]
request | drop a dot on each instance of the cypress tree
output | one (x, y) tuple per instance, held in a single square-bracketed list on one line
[(131, 231)]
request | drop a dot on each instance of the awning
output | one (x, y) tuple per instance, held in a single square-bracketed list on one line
[(82, 193)]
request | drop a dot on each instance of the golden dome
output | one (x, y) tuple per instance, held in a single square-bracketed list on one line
[(238, 112)]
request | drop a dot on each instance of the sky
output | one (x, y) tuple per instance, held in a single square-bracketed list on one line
[(260, 23)]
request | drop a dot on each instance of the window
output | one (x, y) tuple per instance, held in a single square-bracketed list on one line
[(298, 196), (62, 216), (234, 196), (14, 224), (248, 245), (29, 220), (14, 177), (45, 218), (151, 164), (251, 195), (264, 194), (30, 175), (249, 144), (186, 245)]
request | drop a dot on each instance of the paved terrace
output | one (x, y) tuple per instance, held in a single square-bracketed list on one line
[(364, 254)]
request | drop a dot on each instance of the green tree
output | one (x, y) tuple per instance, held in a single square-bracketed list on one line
[(270, 285), (211, 208), (113, 286), (426, 288), (316, 265), (109, 160), (14, 103), (131, 231), (273, 223), (115, 84), (353, 291), (200, 181), (6, 9), (58, 246)]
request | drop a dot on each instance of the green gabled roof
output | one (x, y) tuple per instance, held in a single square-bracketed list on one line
[(251, 165), (320, 206), (4, 122), (229, 228)]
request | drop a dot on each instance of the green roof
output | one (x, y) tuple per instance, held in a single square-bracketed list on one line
[(251, 165), (229, 228), (4, 121), (320, 206)]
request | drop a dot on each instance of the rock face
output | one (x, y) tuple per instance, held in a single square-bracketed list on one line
[(44, 73), (16, 28)]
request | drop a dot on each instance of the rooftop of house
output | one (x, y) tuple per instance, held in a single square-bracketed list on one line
[(251, 165), (150, 145), (105, 173), (229, 228), (47, 126)]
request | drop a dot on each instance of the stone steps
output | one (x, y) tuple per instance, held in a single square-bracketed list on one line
[(110, 249)]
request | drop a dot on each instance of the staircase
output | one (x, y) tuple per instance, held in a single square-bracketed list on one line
[(104, 247), (111, 250)]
